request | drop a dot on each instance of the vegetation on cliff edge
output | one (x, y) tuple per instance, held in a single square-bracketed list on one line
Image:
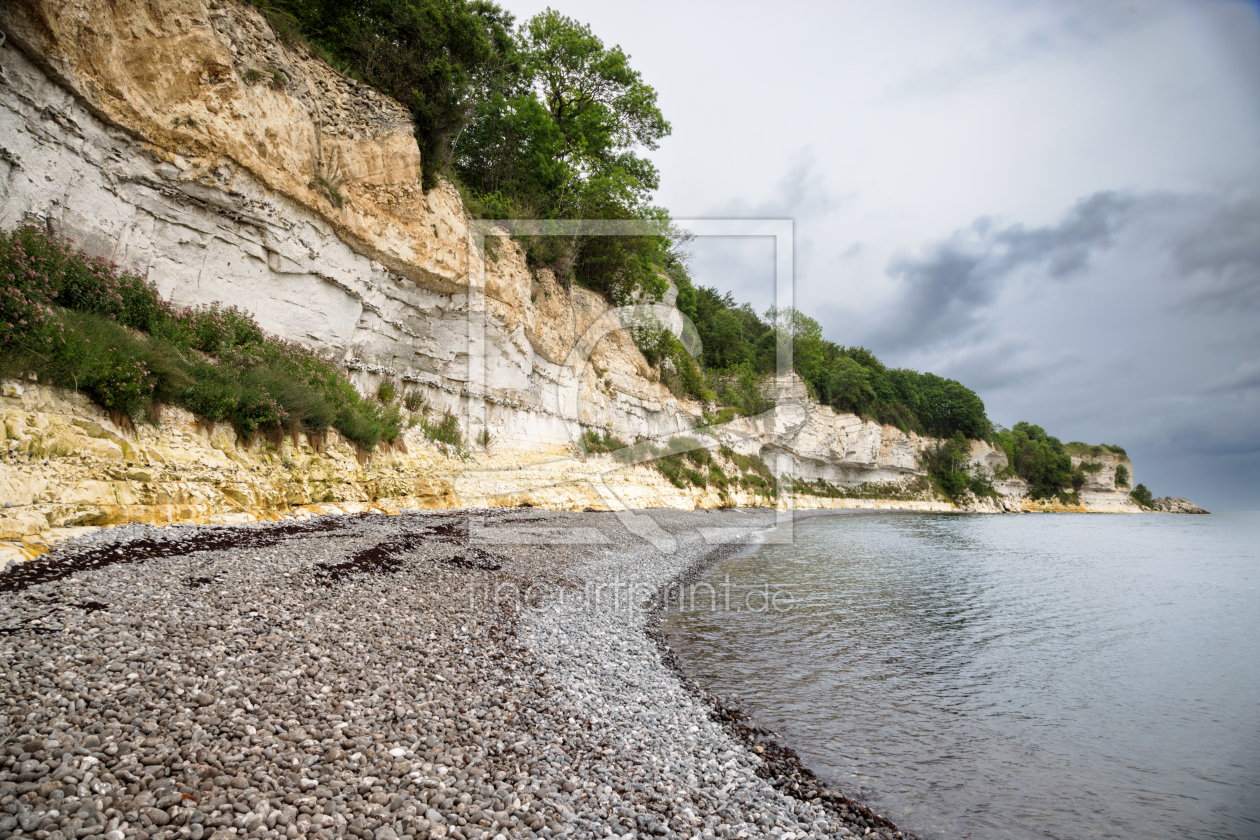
[(540, 121), (79, 322)]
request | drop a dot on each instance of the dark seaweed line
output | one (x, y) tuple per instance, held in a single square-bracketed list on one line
[(57, 567)]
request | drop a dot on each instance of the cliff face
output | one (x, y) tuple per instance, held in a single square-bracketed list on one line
[(134, 129), (180, 139)]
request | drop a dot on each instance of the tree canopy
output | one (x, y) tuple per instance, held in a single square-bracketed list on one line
[(560, 140), (735, 339)]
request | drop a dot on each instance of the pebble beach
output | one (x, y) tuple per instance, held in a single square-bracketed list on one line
[(466, 674)]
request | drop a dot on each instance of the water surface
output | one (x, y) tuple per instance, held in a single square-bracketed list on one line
[(1034, 676)]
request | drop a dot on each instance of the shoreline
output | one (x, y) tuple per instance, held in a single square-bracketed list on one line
[(366, 676), (783, 766)]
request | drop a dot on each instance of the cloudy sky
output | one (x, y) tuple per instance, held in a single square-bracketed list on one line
[(1055, 202)]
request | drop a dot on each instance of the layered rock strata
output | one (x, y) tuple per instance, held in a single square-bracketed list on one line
[(183, 141)]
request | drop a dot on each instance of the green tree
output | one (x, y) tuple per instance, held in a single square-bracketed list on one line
[(801, 336), (562, 141), (1038, 458), (600, 105), (846, 386), (946, 406), (948, 464)]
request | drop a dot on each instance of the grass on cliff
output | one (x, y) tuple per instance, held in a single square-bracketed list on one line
[(919, 489), (79, 322), (1084, 450), (688, 462)]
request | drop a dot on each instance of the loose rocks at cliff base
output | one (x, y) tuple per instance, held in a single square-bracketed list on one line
[(422, 675)]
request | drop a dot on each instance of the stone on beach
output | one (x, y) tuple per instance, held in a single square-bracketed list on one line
[(268, 681)]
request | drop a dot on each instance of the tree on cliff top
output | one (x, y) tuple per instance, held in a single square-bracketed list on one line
[(560, 141), (599, 104)]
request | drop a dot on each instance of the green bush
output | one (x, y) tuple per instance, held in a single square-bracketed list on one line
[(387, 391), (597, 444), (123, 383), (1122, 475), (1142, 496), (79, 322), (699, 457), (213, 394), (444, 430), (674, 467), (414, 401), (1078, 479), (754, 474), (1038, 458), (740, 389), (980, 483), (948, 465)]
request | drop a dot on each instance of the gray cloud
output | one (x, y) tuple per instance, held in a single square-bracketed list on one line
[(1244, 378), (801, 192), (1223, 253), (745, 266), (1130, 320), (944, 291), (1006, 362), (1077, 25)]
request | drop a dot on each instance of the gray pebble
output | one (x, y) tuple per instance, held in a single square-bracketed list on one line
[(376, 677)]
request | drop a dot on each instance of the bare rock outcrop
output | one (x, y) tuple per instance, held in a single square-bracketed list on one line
[(1167, 504)]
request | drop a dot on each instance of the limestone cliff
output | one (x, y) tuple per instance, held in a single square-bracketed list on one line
[(134, 129), (182, 140)]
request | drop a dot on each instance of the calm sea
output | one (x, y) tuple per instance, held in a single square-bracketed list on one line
[(1032, 676)]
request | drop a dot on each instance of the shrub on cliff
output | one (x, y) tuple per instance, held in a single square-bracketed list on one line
[(1142, 496), (1039, 459), (949, 466), (79, 322), (597, 444)]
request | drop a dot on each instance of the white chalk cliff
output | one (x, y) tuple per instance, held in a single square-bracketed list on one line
[(184, 141)]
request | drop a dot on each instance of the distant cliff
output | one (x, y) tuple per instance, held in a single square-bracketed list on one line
[(182, 140)]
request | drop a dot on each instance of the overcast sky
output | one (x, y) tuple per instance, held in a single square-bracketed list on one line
[(1056, 203)]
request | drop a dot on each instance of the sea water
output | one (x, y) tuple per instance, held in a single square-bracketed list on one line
[(1012, 676)]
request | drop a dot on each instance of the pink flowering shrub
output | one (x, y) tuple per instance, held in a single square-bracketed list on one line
[(123, 384), (25, 292)]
